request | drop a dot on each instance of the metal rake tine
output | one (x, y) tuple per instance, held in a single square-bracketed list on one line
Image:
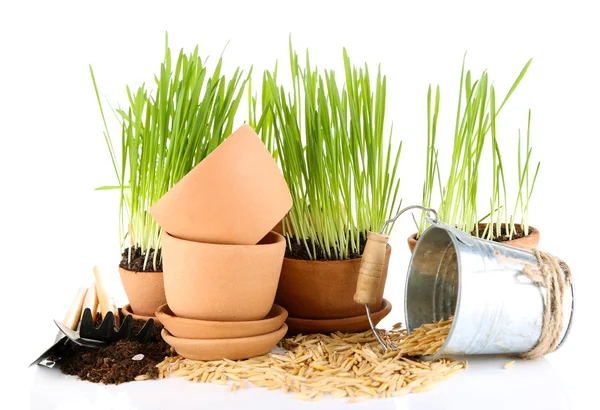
[(126, 328), (87, 322), (145, 332), (108, 325)]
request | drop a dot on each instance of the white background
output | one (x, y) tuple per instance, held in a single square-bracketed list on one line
[(52, 156)]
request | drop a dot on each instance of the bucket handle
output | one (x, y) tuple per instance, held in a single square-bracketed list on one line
[(373, 263), (373, 258)]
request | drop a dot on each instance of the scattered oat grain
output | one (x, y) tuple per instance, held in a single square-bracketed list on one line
[(509, 364)]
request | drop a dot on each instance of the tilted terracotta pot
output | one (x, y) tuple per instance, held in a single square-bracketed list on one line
[(236, 195), (528, 242), (324, 289), (145, 291), (221, 282)]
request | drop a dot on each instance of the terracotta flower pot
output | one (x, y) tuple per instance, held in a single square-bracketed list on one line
[(355, 324), (222, 282), (236, 195), (324, 289), (145, 291), (528, 242)]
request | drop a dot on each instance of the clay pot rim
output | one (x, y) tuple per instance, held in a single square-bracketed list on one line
[(140, 271), (388, 249), (532, 231), (272, 238), (248, 339), (386, 308), (126, 310), (274, 315)]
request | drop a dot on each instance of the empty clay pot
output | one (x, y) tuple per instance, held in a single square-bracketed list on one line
[(232, 349), (236, 195), (354, 324), (126, 310), (145, 291), (221, 282), (324, 289), (528, 242), (206, 329)]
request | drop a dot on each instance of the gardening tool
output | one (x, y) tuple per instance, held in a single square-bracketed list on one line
[(82, 315), (70, 322), (91, 336), (109, 330), (496, 308)]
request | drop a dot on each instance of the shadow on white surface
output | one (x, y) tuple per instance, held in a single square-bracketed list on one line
[(485, 385)]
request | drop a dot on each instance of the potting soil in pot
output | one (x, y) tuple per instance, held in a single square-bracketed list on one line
[(119, 362), (298, 250), (133, 259)]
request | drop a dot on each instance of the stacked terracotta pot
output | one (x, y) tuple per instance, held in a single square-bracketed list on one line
[(221, 262)]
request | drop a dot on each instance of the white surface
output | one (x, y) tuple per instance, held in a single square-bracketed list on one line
[(52, 155), (486, 385)]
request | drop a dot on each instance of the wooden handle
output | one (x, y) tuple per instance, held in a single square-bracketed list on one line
[(91, 301), (115, 311), (103, 297), (371, 268), (71, 319)]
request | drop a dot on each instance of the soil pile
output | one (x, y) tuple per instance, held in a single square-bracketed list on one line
[(120, 362)]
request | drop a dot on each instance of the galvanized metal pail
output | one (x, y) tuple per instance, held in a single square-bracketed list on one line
[(496, 309)]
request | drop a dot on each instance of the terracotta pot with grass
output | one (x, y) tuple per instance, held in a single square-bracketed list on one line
[(460, 201), (145, 290), (344, 183), (157, 154), (222, 282), (324, 289)]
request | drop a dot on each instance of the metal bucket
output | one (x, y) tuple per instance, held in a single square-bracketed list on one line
[(496, 309)]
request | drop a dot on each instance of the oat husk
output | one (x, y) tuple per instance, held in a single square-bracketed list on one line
[(352, 366)]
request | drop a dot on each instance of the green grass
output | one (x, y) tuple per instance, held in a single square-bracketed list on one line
[(165, 132), (476, 120), (335, 153)]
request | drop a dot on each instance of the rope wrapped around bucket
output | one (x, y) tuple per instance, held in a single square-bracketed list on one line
[(554, 275)]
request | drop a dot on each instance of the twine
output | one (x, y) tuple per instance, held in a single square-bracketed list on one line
[(554, 275)]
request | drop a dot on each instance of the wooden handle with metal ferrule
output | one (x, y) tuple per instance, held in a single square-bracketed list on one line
[(71, 319), (91, 301), (103, 297), (371, 268)]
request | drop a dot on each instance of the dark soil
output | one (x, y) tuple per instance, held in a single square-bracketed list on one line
[(137, 261), (298, 250), (504, 234), (114, 363)]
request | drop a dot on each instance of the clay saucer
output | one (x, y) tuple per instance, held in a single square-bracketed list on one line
[(354, 324), (232, 349), (126, 310), (207, 329)]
